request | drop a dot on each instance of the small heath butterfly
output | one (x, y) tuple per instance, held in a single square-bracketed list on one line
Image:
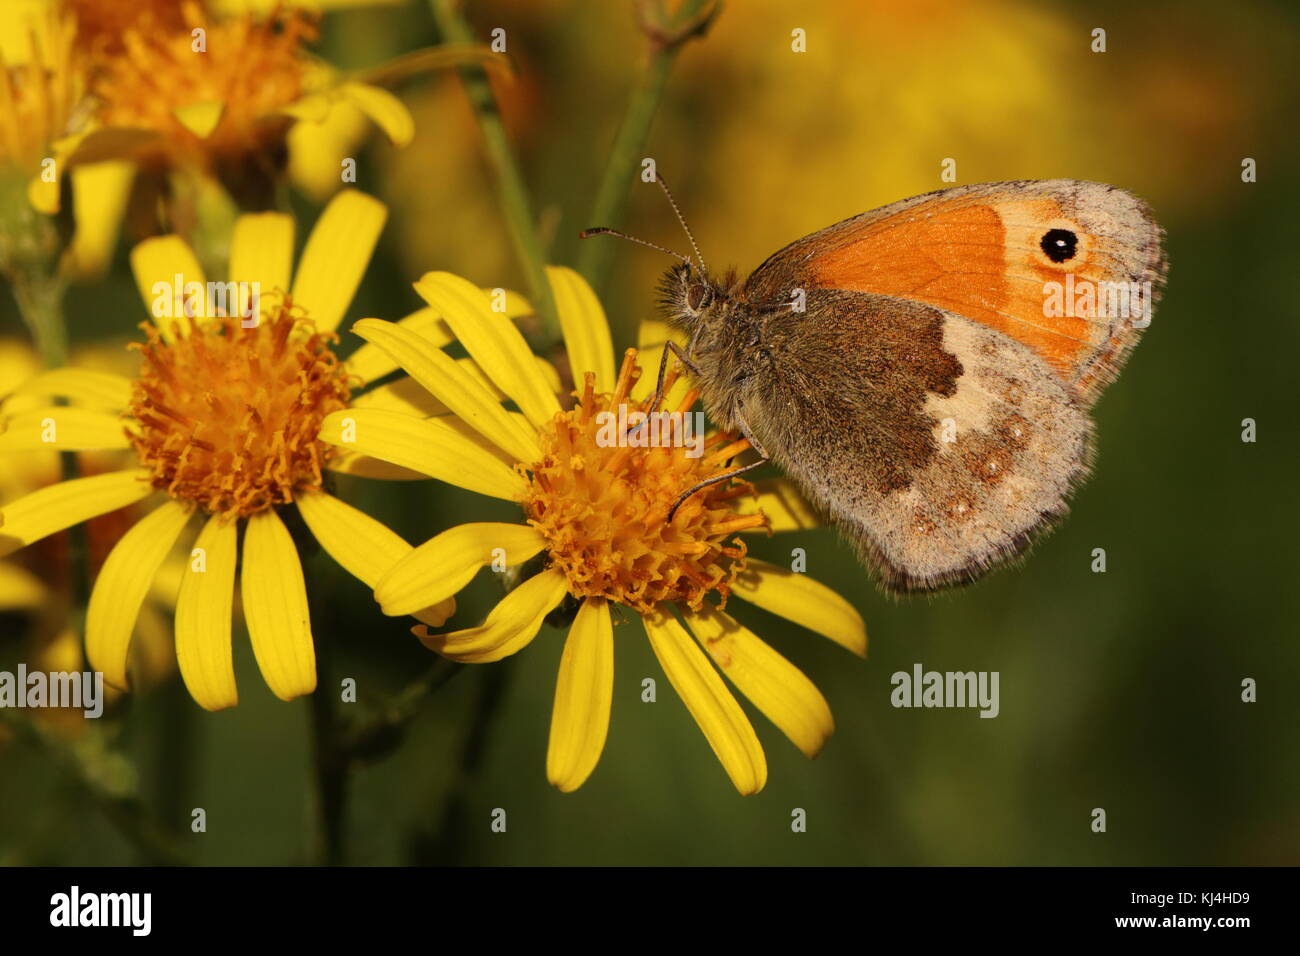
[(925, 371)]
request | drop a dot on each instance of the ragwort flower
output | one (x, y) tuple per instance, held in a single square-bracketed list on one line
[(221, 421), (596, 512)]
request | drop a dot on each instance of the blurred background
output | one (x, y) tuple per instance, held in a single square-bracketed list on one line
[(1119, 690)]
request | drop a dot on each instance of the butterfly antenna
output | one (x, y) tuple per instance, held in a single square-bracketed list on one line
[(680, 218), (606, 231)]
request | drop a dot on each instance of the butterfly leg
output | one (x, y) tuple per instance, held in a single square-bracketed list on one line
[(745, 430), (681, 499), (675, 349), (763, 459)]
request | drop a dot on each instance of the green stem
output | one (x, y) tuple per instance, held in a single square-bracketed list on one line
[(375, 737), (331, 764), (515, 203), (448, 845), (95, 771), (666, 40), (176, 751), (40, 302)]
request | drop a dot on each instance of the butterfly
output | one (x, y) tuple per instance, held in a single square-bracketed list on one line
[(925, 371)]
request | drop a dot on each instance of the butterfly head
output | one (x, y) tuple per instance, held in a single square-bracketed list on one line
[(691, 298)]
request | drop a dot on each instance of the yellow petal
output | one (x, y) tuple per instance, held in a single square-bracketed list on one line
[(783, 503), (261, 254), (715, 710), (774, 685), (363, 466), (493, 341), (452, 385), (797, 597), (410, 397), (446, 563), (384, 109), (371, 362), (549, 373), (319, 145), (19, 364), (652, 336), (20, 590), (200, 118), (583, 692), (203, 617), (60, 506), (511, 625), (43, 195), (165, 271), (586, 330), (404, 395), (99, 195), (364, 547), (108, 143), (336, 256), (103, 390), (312, 108), (122, 584), (436, 614), (62, 428), (275, 607), (514, 304), (430, 446)]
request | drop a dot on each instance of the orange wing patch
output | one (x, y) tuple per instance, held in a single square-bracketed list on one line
[(982, 252), (967, 260)]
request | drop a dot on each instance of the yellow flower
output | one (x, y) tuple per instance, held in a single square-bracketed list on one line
[(35, 585), (236, 100), (221, 419), (220, 95), (597, 512), (39, 96)]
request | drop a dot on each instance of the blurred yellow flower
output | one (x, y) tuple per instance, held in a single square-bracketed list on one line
[(219, 95), (36, 585), (222, 93), (39, 101), (221, 420), (597, 511), (38, 97)]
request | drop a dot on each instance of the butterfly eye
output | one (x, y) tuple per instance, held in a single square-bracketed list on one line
[(1059, 244), (697, 297)]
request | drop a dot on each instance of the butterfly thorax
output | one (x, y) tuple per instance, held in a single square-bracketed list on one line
[(725, 336)]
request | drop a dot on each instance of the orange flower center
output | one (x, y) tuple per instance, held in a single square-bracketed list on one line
[(101, 26), (227, 416), (602, 505), (251, 67)]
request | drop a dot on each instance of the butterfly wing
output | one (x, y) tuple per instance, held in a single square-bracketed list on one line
[(994, 253), (938, 444)]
